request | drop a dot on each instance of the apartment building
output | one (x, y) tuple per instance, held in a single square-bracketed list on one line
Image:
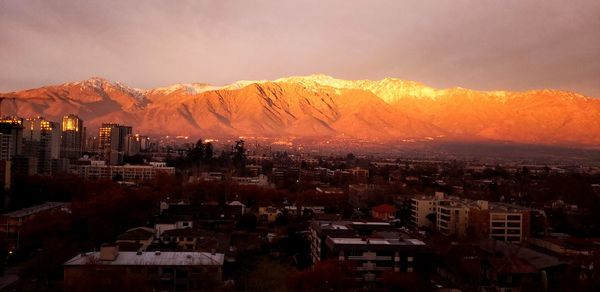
[(373, 255), (452, 217), (422, 206), (509, 222), (371, 247), (163, 271), (455, 216), (99, 170)]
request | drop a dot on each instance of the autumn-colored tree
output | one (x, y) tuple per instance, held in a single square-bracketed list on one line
[(330, 275), (405, 282)]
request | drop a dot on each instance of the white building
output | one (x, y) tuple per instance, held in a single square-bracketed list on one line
[(99, 170)]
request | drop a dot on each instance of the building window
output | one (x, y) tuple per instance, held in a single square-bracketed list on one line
[(385, 253), (513, 238), (513, 217)]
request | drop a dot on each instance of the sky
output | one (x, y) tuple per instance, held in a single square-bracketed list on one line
[(483, 44)]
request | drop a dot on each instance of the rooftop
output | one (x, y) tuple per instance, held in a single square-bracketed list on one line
[(375, 241), (138, 233), (35, 209), (131, 258), (536, 259)]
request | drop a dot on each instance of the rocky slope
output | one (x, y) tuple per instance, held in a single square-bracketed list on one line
[(319, 106)]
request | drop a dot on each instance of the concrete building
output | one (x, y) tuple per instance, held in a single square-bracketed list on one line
[(5, 174), (42, 140), (72, 137), (359, 172), (24, 165), (372, 247), (136, 144), (11, 138), (112, 142), (479, 219), (422, 206), (11, 223), (260, 180), (172, 271), (509, 222), (452, 217), (131, 173)]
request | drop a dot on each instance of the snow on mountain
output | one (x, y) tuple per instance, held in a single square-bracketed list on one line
[(319, 105)]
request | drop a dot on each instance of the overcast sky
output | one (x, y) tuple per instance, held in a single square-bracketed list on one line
[(479, 44)]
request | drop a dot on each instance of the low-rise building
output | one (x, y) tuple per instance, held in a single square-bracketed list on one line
[(480, 219), (182, 271), (99, 170), (371, 247), (12, 222), (422, 207), (373, 255)]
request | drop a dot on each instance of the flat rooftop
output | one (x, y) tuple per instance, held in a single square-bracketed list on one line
[(165, 258), (375, 241), (35, 209)]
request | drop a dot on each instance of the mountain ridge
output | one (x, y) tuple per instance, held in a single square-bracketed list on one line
[(318, 105)]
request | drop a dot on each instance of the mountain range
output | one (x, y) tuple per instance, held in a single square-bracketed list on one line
[(318, 106)]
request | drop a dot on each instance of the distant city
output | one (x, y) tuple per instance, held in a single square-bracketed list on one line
[(172, 213), (33, 146)]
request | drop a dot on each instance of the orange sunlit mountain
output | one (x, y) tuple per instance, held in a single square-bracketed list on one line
[(319, 105)]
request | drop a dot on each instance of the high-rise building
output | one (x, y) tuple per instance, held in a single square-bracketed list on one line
[(112, 142), (72, 137), (42, 140), (11, 137), (136, 144)]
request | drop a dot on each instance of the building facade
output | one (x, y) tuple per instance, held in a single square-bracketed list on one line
[(42, 140), (132, 173), (112, 142), (72, 137), (159, 271), (371, 248), (459, 217)]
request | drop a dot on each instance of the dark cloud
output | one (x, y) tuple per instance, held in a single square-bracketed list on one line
[(511, 44)]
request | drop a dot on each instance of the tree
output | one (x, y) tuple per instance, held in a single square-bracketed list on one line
[(331, 275), (247, 222), (196, 154), (400, 281), (208, 151), (432, 218), (239, 155)]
